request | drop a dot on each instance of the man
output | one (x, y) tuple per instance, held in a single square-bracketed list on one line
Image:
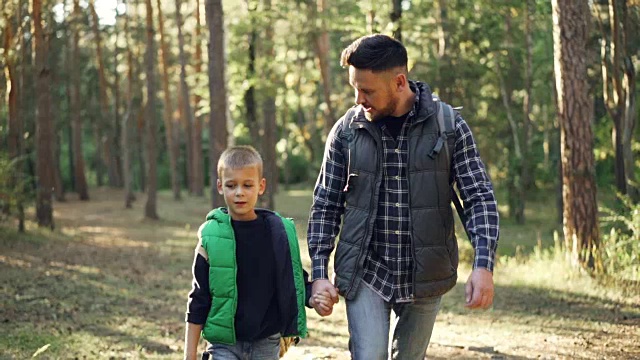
[(381, 175)]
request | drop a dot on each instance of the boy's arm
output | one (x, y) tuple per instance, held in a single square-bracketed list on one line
[(191, 339), (307, 289), (199, 302)]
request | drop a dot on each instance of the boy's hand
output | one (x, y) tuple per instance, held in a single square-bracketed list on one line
[(322, 303)]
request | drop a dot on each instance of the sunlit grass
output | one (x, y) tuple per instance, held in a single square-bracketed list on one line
[(109, 284)]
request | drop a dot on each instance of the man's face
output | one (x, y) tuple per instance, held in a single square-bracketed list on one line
[(375, 92), (241, 188)]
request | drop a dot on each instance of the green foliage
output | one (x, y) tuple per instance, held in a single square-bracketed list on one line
[(15, 190), (621, 241)]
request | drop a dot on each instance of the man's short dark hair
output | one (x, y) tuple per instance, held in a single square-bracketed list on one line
[(375, 52)]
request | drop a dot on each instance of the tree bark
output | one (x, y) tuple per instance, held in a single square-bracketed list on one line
[(170, 136), (250, 93), (581, 233), (524, 183), (44, 121), (186, 103), (15, 122), (217, 89), (445, 74), (396, 19), (615, 65), (198, 170), (110, 157), (150, 209), (269, 113), (630, 118), (76, 120), (125, 128), (322, 48)]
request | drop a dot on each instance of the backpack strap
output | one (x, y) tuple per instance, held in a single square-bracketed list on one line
[(346, 136), (446, 117)]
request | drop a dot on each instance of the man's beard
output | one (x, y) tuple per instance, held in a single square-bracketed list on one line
[(384, 112)]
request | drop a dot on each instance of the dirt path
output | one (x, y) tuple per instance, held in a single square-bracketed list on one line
[(108, 284)]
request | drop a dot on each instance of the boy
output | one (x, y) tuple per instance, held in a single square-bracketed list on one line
[(248, 282)]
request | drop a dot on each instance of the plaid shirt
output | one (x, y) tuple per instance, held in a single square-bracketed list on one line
[(388, 266)]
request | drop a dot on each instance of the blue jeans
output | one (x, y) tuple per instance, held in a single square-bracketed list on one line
[(369, 321), (264, 349)]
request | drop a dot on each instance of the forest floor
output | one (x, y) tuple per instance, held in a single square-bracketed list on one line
[(109, 284)]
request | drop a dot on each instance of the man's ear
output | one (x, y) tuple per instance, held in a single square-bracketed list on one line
[(219, 185), (401, 81), (263, 186)]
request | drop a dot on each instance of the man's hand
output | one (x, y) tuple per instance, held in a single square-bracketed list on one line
[(322, 303), (479, 289), (319, 287)]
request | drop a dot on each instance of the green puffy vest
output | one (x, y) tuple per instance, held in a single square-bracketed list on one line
[(218, 240)]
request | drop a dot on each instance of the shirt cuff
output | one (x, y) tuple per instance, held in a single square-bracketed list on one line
[(484, 259), (319, 270)]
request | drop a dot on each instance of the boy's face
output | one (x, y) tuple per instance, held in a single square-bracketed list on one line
[(241, 188)]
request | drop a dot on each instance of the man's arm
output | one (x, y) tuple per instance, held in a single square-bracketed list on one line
[(481, 210), (326, 211), (328, 205), (198, 304)]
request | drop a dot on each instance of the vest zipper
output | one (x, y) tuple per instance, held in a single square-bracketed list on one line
[(413, 246), (369, 229), (235, 276)]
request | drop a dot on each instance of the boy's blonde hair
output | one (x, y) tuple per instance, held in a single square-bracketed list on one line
[(237, 157)]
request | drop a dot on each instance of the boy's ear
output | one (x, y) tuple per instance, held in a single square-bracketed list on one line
[(263, 186), (219, 185)]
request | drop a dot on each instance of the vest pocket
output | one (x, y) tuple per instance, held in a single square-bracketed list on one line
[(433, 264)]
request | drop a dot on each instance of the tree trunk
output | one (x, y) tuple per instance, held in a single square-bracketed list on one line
[(116, 106), (629, 85), (110, 158), (217, 89), (198, 170), (629, 101), (150, 209), (250, 93), (58, 189), (44, 121), (186, 103), (615, 67), (396, 19), (446, 78), (14, 139), (15, 122), (322, 48), (170, 136), (269, 112), (139, 146), (125, 128), (581, 233), (525, 162), (76, 120)]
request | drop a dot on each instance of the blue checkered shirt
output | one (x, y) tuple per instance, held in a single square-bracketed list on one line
[(388, 265)]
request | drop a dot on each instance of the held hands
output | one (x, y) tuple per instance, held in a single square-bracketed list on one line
[(323, 297), (479, 289)]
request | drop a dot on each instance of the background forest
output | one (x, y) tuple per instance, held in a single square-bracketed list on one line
[(110, 104)]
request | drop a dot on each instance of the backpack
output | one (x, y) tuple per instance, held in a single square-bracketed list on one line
[(446, 116)]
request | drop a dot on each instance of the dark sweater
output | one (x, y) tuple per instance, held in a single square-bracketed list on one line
[(392, 124)]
